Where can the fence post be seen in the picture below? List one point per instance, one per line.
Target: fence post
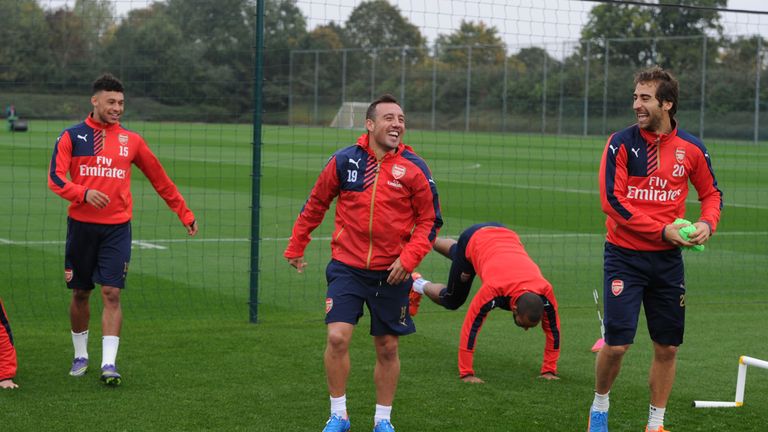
(560, 102)
(374, 56)
(469, 87)
(504, 96)
(290, 88)
(402, 76)
(434, 84)
(544, 95)
(586, 86)
(258, 96)
(605, 85)
(315, 117)
(343, 76)
(758, 67)
(703, 85)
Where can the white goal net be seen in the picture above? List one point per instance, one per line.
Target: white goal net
(351, 115)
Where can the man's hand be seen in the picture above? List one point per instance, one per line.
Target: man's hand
(549, 376)
(298, 263)
(191, 228)
(8, 384)
(96, 198)
(672, 235)
(472, 379)
(701, 235)
(397, 273)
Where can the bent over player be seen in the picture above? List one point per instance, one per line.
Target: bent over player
(97, 154)
(643, 178)
(387, 217)
(8, 361)
(510, 281)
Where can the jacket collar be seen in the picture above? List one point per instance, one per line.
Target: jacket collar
(90, 121)
(363, 142)
(654, 138)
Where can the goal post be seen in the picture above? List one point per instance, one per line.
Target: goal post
(351, 115)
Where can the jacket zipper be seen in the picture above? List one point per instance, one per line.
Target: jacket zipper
(370, 217)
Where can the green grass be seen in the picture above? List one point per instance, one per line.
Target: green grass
(191, 361)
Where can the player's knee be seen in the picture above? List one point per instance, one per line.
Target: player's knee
(337, 341)
(450, 305)
(387, 353)
(80, 296)
(111, 297)
(664, 352)
(616, 351)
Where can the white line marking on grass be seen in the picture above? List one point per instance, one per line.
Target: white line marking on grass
(152, 244)
(198, 240)
(146, 245)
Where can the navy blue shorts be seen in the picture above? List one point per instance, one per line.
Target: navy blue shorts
(96, 254)
(349, 288)
(456, 291)
(655, 279)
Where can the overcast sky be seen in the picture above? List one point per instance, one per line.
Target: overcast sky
(520, 23)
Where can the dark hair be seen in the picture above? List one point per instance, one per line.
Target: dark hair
(530, 306)
(667, 87)
(107, 82)
(385, 98)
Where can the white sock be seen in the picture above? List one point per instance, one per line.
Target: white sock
(109, 345)
(382, 413)
(339, 406)
(80, 342)
(418, 285)
(655, 417)
(601, 402)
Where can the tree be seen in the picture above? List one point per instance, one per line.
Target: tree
(327, 37)
(71, 51)
(155, 58)
(98, 18)
(285, 29)
(222, 31)
(631, 29)
(377, 25)
(731, 83)
(528, 70)
(488, 47)
(487, 53)
(24, 50)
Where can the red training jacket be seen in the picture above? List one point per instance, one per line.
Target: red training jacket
(506, 270)
(644, 184)
(7, 351)
(385, 209)
(99, 156)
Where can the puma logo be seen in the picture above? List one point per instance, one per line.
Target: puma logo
(613, 149)
(636, 152)
(356, 162)
(83, 137)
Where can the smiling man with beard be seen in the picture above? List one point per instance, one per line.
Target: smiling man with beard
(387, 218)
(91, 168)
(643, 179)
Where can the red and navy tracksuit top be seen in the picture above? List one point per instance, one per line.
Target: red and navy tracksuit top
(99, 156)
(498, 257)
(386, 208)
(644, 183)
(8, 363)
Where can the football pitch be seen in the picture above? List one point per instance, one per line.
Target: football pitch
(191, 361)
